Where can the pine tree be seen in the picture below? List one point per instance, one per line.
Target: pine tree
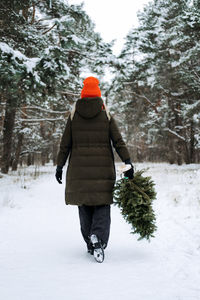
(43, 54)
(157, 85)
(134, 198)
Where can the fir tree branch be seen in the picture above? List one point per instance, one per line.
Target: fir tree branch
(49, 29)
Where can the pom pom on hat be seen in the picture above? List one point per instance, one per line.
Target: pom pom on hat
(91, 88)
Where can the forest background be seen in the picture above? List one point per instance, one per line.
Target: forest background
(46, 47)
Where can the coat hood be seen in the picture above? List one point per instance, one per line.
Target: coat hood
(89, 107)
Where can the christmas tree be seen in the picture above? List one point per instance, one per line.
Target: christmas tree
(134, 198)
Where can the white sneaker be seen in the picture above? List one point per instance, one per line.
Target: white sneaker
(93, 239)
(98, 249)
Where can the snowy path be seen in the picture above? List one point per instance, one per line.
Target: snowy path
(43, 256)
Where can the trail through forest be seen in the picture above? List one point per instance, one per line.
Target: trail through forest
(43, 256)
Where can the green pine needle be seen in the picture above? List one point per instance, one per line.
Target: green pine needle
(134, 198)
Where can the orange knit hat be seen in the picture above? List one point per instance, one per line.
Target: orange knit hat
(91, 88)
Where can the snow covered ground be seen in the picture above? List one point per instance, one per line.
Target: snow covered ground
(43, 256)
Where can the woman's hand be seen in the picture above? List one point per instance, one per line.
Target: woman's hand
(130, 172)
(59, 174)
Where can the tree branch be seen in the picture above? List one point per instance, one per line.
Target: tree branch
(46, 110)
(39, 120)
(82, 54)
(128, 82)
(147, 100)
(175, 134)
(196, 75)
(44, 19)
(67, 92)
(49, 29)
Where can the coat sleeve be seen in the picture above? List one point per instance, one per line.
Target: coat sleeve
(118, 141)
(65, 145)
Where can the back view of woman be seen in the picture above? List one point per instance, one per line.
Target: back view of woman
(88, 138)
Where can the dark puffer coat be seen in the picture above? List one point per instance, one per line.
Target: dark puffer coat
(87, 140)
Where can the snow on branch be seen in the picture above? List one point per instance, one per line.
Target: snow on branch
(175, 134)
(147, 100)
(29, 63)
(128, 82)
(197, 76)
(46, 110)
(39, 120)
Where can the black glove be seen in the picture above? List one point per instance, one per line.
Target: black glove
(130, 172)
(59, 174)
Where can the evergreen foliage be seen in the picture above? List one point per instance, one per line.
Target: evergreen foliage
(46, 45)
(157, 86)
(134, 198)
(44, 48)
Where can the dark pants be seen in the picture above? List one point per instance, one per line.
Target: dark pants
(95, 220)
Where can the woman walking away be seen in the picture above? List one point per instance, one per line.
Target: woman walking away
(88, 138)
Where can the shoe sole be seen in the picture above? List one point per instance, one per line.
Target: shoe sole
(98, 249)
(99, 255)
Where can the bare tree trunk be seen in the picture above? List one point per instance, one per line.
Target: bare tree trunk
(20, 137)
(47, 157)
(198, 156)
(54, 145)
(33, 158)
(179, 149)
(17, 153)
(8, 127)
(29, 160)
(171, 152)
(192, 150)
(43, 158)
(187, 154)
(55, 150)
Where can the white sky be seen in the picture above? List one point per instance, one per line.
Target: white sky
(113, 18)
